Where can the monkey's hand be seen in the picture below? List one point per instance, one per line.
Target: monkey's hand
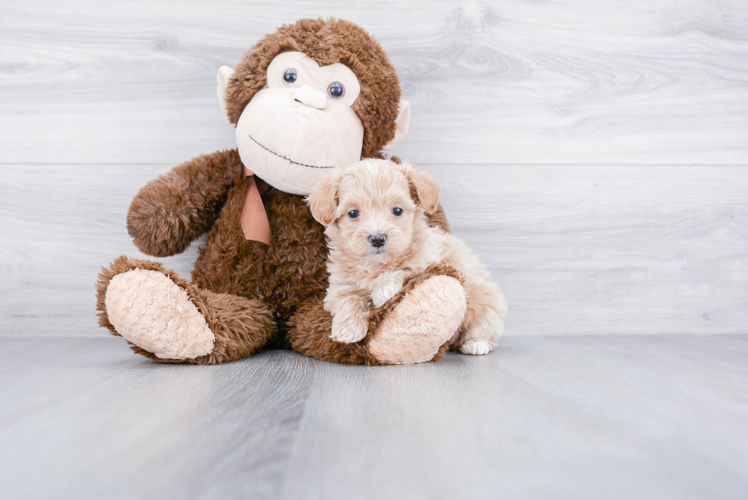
(386, 286)
(174, 209)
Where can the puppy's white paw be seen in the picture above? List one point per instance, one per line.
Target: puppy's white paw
(387, 289)
(349, 329)
(476, 347)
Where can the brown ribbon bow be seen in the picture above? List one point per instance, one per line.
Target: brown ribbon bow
(254, 219)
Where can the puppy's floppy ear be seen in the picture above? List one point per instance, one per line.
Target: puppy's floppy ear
(323, 202)
(424, 189)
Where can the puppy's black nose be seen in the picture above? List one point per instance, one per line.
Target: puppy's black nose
(377, 240)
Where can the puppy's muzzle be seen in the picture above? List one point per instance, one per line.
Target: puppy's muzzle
(377, 240)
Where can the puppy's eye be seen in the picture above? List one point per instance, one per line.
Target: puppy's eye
(290, 76)
(353, 214)
(397, 211)
(336, 90)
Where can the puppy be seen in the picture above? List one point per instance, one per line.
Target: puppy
(374, 213)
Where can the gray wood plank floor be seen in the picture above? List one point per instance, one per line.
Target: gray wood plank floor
(598, 417)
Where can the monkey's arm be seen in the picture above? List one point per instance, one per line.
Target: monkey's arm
(172, 210)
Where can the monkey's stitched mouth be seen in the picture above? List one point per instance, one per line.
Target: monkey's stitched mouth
(287, 159)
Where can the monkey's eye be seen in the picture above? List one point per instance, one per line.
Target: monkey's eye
(290, 76)
(353, 214)
(336, 90)
(397, 211)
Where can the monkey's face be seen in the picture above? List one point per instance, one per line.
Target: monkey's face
(315, 95)
(298, 128)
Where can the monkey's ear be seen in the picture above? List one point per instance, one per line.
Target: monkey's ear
(426, 188)
(323, 202)
(224, 74)
(402, 122)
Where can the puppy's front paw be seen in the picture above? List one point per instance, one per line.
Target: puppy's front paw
(476, 347)
(386, 290)
(349, 329)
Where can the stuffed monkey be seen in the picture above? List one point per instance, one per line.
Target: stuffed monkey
(313, 96)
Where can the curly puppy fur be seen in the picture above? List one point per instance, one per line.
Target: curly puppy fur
(375, 217)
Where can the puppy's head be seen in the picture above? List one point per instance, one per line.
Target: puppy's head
(372, 208)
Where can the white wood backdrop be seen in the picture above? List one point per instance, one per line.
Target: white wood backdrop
(593, 152)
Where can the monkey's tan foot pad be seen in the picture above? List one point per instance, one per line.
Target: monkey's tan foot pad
(155, 314)
(423, 321)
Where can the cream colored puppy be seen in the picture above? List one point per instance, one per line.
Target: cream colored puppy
(374, 213)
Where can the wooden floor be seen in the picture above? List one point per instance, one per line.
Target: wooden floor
(598, 417)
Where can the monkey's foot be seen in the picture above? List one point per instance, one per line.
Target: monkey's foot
(423, 321)
(154, 313)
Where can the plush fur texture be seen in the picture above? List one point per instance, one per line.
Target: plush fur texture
(173, 210)
(375, 213)
(252, 295)
(249, 292)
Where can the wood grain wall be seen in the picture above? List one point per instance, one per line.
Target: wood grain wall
(594, 153)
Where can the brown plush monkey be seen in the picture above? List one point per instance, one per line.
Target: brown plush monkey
(313, 96)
